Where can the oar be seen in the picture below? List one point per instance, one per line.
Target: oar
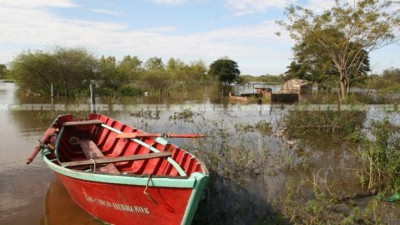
(166, 135)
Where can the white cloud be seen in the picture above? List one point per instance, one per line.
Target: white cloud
(243, 7)
(168, 2)
(37, 28)
(38, 3)
(118, 40)
(105, 11)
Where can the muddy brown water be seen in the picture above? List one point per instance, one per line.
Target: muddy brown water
(243, 187)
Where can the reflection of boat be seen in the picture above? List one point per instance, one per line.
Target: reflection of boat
(60, 209)
(123, 175)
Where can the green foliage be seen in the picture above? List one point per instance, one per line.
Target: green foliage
(263, 78)
(344, 123)
(388, 82)
(154, 63)
(3, 71)
(345, 33)
(130, 91)
(130, 68)
(262, 126)
(156, 80)
(69, 70)
(35, 72)
(296, 70)
(225, 70)
(382, 157)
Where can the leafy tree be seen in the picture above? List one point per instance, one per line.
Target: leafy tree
(34, 72)
(77, 68)
(130, 68)
(154, 63)
(110, 76)
(196, 71)
(225, 70)
(3, 71)
(175, 65)
(388, 81)
(156, 80)
(69, 70)
(176, 69)
(347, 33)
(315, 65)
(296, 70)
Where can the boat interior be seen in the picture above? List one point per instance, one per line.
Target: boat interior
(94, 145)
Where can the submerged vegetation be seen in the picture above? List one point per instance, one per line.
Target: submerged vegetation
(305, 167)
(381, 154)
(336, 122)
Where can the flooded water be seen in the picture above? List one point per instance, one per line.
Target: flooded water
(246, 182)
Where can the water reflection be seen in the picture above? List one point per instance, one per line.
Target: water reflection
(60, 209)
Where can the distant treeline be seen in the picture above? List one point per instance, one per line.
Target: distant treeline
(71, 70)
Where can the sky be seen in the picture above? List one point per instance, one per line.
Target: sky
(189, 30)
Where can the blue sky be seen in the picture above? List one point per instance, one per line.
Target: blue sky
(189, 30)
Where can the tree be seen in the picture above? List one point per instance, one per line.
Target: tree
(34, 72)
(176, 69)
(3, 71)
(296, 70)
(156, 80)
(196, 71)
(77, 68)
(130, 68)
(154, 63)
(315, 65)
(69, 70)
(225, 70)
(347, 33)
(108, 73)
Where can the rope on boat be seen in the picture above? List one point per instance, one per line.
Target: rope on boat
(146, 193)
(94, 165)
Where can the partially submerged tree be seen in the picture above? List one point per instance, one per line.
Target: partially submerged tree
(76, 67)
(34, 72)
(347, 33)
(3, 71)
(225, 70)
(316, 65)
(69, 70)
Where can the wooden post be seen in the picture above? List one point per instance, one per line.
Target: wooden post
(52, 96)
(92, 99)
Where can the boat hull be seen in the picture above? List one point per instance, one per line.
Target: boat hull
(127, 204)
(167, 196)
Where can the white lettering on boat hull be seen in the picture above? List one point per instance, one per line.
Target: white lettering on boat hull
(118, 206)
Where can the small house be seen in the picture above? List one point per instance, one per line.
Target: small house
(298, 86)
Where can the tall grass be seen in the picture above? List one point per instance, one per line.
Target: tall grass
(343, 123)
(382, 157)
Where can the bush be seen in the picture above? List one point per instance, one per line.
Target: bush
(382, 157)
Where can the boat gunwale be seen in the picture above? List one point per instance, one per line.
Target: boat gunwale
(126, 179)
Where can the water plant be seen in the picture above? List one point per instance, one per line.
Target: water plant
(343, 123)
(382, 157)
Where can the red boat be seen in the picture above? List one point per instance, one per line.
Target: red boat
(122, 175)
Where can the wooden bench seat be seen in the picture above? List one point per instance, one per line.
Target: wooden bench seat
(118, 159)
(83, 122)
(92, 152)
(105, 164)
